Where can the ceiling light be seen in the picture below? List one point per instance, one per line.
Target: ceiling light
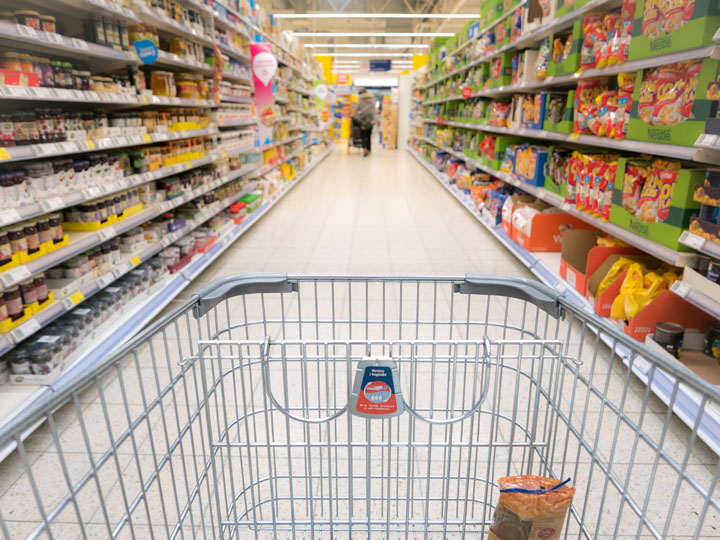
(366, 55)
(372, 34)
(367, 45)
(375, 16)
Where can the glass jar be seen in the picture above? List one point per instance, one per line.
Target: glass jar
(28, 291)
(31, 237)
(44, 232)
(41, 359)
(3, 308)
(59, 75)
(47, 23)
(13, 303)
(41, 289)
(11, 61)
(47, 75)
(162, 83)
(46, 125)
(5, 249)
(187, 86)
(6, 129)
(82, 80)
(55, 221)
(25, 128)
(19, 360)
(18, 243)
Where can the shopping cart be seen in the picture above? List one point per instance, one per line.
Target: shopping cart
(355, 139)
(236, 416)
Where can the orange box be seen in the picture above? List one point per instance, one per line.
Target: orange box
(667, 306)
(580, 256)
(512, 202)
(547, 230)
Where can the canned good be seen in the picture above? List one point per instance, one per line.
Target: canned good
(669, 335)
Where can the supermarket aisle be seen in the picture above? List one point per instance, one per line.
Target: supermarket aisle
(378, 215)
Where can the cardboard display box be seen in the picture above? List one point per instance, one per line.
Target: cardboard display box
(508, 207)
(565, 125)
(603, 302)
(680, 208)
(580, 256)
(656, 33)
(546, 230)
(572, 63)
(690, 125)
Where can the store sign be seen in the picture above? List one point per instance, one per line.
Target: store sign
(342, 78)
(264, 66)
(147, 51)
(323, 97)
(466, 92)
(380, 65)
(321, 91)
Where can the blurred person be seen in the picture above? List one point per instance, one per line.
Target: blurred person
(365, 116)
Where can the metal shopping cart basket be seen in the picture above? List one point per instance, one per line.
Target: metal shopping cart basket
(236, 416)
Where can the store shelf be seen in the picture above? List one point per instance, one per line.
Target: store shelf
(52, 204)
(281, 99)
(236, 99)
(697, 298)
(686, 402)
(234, 52)
(688, 153)
(166, 59)
(300, 91)
(279, 79)
(698, 243)
(532, 37)
(103, 7)
(493, 24)
(158, 19)
(117, 331)
(652, 248)
(276, 143)
(230, 76)
(22, 153)
(62, 45)
(237, 122)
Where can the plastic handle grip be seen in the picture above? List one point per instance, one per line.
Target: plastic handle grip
(515, 287)
(227, 287)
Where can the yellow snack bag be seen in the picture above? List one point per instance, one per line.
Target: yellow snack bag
(609, 241)
(617, 310)
(634, 302)
(632, 284)
(616, 269)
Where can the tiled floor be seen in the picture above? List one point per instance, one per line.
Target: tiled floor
(382, 215)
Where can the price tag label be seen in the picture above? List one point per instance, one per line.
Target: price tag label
(42, 93)
(15, 275)
(706, 140)
(90, 144)
(680, 289)
(135, 260)
(175, 101)
(122, 141)
(91, 95)
(16, 91)
(80, 44)
(26, 31)
(9, 216)
(146, 137)
(48, 149)
(69, 147)
(55, 203)
(93, 192)
(693, 240)
(52, 37)
(165, 241)
(25, 330)
(105, 280)
(106, 233)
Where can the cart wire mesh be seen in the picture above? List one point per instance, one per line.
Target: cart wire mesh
(230, 418)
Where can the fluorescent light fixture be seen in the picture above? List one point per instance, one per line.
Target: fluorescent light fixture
(376, 16)
(366, 55)
(366, 45)
(372, 34)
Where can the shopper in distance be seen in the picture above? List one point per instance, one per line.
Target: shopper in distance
(365, 116)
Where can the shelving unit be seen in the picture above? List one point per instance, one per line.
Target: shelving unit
(452, 63)
(100, 59)
(686, 404)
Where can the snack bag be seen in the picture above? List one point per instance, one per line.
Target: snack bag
(622, 114)
(587, 91)
(593, 35)
(607, 191)
(669, 89)
(632, 186)
(575, 166)
(616, 269)
(656, 194)
(607, 108)
(599, 184)
(648, 89)
(542, 59)
(632, 283)
(673, 18)
(651, 20)
(602, 45)
(687, 100)
(530, 507)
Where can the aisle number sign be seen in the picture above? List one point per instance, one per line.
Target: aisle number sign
(264, 66)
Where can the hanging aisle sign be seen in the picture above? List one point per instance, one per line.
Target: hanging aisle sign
(264, 66)
(322, 103)
(147, 51)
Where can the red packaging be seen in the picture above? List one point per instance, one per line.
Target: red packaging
(632, 186)
(609, 186)
(670, 86)
(687, 100)
(587, 91)
(651, 18)
(575, 165)
(648, 89)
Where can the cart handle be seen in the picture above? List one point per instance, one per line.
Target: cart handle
(227, 287)
(516, 287)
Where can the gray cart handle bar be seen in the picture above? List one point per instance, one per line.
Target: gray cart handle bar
(535, 292)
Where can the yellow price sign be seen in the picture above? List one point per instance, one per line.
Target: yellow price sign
(4, 154)
(147, 138)
(90, 144)
(574, 136)
(135, 260)
(77, 297)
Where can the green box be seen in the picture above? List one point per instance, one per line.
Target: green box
(571, 64)
(566, 125)
(564, 10)
(550, 184)
(681, 207)
(683, 133)
(505, 74)
(501, 143)
(695, 31)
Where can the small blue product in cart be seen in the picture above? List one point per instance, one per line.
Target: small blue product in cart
(530, 507)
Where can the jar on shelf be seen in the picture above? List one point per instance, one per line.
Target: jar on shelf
(6, 129)
(162, 84)
(13, 303)
(5, 249)
(3, 308)
(18, 243)
(28, 18)
(19, 359)
(28, 291)
(31, 237)
(55, 221)
(94, 29)
(11, 61)
(47, 74)
(26, 63)
(41, 288)
(47, 23)
(187, 86)
(25, 128)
